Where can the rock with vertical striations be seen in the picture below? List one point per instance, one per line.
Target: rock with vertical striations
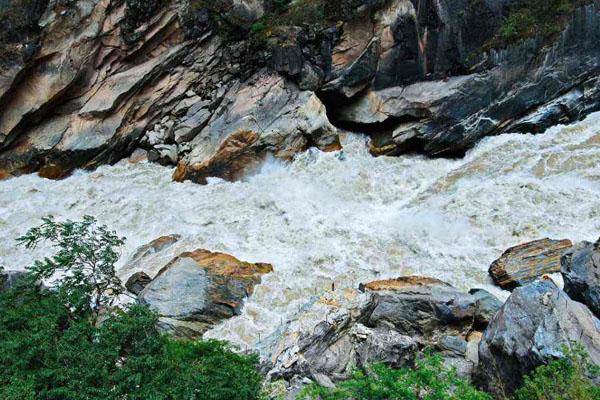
(580, 268)
(530, 329)
(526, 262)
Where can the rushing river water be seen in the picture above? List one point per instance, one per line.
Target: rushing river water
(338, 217)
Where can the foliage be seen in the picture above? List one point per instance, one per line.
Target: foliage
(544, 18)
(568, 378)
(428, 380)
(48, 352)
(84, 261)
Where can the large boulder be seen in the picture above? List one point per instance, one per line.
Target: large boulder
(385, 321)
(528, 331)
(265, 115)
(580, 268)
(526, 262)
(198, 289)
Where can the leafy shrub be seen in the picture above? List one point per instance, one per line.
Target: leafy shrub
(47, 352)
(85, 261)
(569, 378)
(428, 380)
(52, 348)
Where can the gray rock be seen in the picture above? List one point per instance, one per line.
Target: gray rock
(529, 330)
(423, 311)
(137, 282)
(486, 306)
(580, 268)
(200, 288)
(387, 322)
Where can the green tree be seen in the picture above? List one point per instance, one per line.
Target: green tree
(52, 348)
(83, 268)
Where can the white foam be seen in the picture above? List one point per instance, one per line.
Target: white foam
(333, 217)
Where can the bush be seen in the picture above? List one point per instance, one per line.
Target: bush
(569, 378)
(52, 348)
(428, 380)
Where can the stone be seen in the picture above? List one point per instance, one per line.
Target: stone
(200, 288)
(486, 306)
(267, 114)
(528, 331)
(385, 321)
(137, 282)
(168, 154)
(527, 262)
(580, 267)
(145, 254)
(422, 308)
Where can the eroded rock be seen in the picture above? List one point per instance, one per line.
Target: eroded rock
(386, 321)
(200, 288)
(526, 262)
(580, 267)
(529, 330)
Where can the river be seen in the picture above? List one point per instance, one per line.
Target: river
(338, 218)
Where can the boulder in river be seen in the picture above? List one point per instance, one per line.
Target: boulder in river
(580, 268)
(530, 329)
(200, 288)
(386, 321)
(526, 262)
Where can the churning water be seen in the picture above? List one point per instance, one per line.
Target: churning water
(338, 218)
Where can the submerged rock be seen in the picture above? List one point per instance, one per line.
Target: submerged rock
(580, 268)
(200, 288)
(529, 330)
(526, 262)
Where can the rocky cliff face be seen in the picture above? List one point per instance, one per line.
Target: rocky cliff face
(213, 89)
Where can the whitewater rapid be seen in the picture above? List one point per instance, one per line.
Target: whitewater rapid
(340, 218)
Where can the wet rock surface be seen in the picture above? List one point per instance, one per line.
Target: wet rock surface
(580, 268)
(526, 262)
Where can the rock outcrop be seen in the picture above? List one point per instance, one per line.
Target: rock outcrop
(200, 288)
(528, 331)
(526, 262)
(387, 321)
(91, 81)
(580, 268)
